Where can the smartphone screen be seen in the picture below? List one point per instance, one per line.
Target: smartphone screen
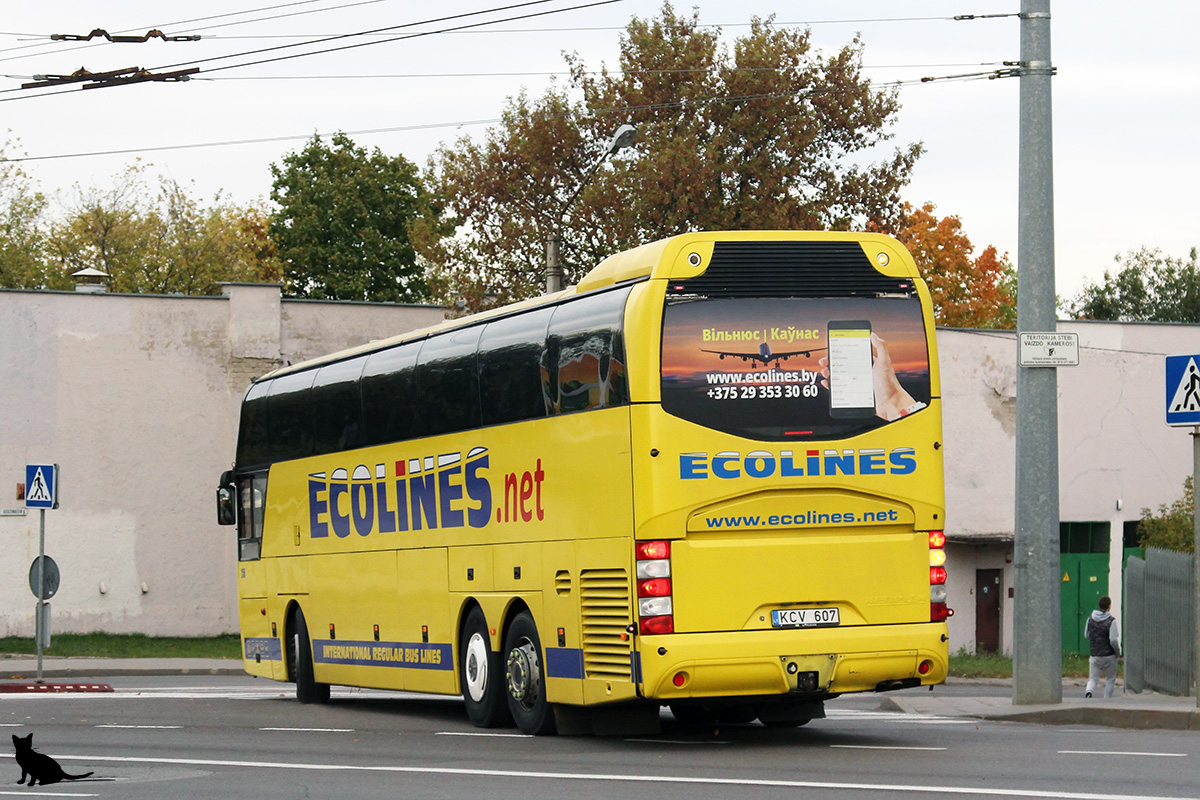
(851, 391)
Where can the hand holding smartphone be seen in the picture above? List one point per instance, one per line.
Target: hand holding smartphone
(851, 388)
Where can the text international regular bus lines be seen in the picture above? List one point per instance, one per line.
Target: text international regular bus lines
(708, 477)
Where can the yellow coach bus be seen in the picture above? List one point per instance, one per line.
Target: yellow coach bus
(708, 477)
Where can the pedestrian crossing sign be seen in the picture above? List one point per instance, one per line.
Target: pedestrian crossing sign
(1183, 390)
(41, 485)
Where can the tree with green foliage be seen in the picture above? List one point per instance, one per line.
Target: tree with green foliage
(342, 227)
(162, 242)
(1149, 286)
(22, 231)
(770, 133)
(1172, 527)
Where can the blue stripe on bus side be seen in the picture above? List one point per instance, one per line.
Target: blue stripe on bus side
(564, 662)
(264, 648)
(406, 655)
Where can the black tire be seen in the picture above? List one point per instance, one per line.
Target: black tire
(300, 664)
(525, 678)
(481, 673)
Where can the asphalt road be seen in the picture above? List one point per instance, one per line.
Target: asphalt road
(235, 737)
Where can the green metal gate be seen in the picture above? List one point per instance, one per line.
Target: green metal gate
(1085, 581)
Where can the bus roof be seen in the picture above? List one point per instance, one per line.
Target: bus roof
(655, 260)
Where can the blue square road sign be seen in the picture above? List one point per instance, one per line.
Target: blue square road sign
(1183, 390)
(41, 485)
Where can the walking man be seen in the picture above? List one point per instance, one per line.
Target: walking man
(1105, 646)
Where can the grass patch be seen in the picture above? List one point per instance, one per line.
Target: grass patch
(131, 645)
(991, 665)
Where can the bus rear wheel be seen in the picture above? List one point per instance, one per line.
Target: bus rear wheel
(300, 664)
(525, 678)
(481, 674)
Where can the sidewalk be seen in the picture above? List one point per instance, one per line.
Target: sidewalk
(1145, 710)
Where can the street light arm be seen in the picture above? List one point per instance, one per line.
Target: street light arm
(622, 138)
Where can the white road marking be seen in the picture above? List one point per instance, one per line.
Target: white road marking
(140, 727)
(680, 741)
(312, 730)
(882, 747)
(36, 793)
(626, 778)
(1120, 753)
(494, 735)
(899, 716)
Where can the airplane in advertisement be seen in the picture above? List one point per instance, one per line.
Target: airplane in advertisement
(764, 354)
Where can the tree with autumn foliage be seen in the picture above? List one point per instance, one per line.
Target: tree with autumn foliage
(967, 292)
(164, 242)
(770, 133)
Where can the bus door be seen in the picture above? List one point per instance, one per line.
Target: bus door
(261, 646)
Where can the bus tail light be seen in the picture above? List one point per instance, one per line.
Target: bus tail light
(655, 609)
(938, 610)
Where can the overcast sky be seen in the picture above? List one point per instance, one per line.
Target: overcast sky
(1126, 97)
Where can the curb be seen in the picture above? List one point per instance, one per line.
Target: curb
(47, 688)
(1132, 718)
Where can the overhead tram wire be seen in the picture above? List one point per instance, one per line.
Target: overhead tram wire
(205, 19)
(798, 24)
(495, 9)
(466, 123)
(443, 75)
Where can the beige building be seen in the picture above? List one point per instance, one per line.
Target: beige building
(136, 398)
(1116, 456)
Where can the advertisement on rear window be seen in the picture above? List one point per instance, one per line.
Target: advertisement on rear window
(794, 368)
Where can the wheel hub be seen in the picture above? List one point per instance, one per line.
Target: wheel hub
(522, 673)
(476, 667)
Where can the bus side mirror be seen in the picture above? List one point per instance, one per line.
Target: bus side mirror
(226, 494)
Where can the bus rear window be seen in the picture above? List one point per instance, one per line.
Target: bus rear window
(782, 369)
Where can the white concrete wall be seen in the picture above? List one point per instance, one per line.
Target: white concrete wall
(136, 398)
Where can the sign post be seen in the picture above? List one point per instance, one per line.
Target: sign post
(41, 492)
(1183, 410)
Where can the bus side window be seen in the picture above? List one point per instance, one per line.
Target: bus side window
(291, 419)
(337, 407)
(254, 445)
(588, 369)
(252, 497)
(448, 382)
(510, 369)
(389, 395)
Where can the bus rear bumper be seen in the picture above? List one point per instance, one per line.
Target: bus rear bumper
(825, 661)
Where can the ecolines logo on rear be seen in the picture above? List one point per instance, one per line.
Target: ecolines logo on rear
(443, 491)
(785, 464)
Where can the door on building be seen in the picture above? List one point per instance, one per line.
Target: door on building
(1084, 564)
(987, 610)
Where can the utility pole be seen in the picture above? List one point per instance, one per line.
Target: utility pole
(1037, 631)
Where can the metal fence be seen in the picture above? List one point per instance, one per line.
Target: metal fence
(1158, 633)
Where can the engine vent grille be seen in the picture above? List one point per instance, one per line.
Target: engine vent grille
(604, 602)
(790, 269)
